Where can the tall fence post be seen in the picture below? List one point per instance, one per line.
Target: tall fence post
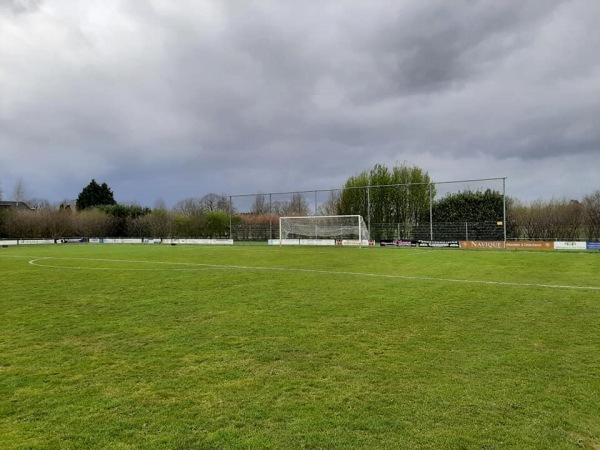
(270, 216)
(430, 212)
(369, 208)
(230, 218)
(504, 208)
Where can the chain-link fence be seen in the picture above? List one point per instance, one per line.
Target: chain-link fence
(400, 211)
(482, 231)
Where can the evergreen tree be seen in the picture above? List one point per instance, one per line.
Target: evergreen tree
(469, 206)
(95, 194)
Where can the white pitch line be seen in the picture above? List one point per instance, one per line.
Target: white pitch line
(34, 262)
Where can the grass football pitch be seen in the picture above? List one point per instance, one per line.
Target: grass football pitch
(253, 347)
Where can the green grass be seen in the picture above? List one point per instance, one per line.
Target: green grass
(143, 347)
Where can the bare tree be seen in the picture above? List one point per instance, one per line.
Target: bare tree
(160, 204)
(90, 223)
(279, 208)
(573, 217)
(159, 223)
(591, 206)
(214, 202)
(189, 206)
(554, 219)
(297, 206)
(19, 192)
(260, 205)
(332, 205)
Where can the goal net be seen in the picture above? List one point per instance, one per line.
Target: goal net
(323, 230)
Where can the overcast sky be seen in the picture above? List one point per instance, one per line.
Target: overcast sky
(165, 100)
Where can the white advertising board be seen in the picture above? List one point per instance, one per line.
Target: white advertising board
(198, 241)
(354, 242)
(120, 241)
(563, 245)
(35, 241)
(325, 242)
(314, 242)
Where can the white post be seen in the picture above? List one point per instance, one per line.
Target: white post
(359, 231)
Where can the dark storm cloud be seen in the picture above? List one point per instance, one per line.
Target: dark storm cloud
(165, 99)
(442, 45)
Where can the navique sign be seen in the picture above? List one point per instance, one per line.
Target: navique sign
(538, 245)
(482, 244)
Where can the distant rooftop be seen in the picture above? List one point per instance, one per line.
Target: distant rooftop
(17, 205)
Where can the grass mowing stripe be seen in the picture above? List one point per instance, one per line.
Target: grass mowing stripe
(201, 266)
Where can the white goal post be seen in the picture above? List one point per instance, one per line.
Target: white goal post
(323, 230)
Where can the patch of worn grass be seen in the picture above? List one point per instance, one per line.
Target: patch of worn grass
(172, 347)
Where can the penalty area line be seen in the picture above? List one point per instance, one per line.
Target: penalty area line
(200, 266)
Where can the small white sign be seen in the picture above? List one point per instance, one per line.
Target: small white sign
(562, 245)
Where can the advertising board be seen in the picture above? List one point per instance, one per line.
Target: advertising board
(482, 244)
(397, 243)
(592, 245)
(530, 245)
(452, 244)
(193, 241)
(284, 241)
(561, 245)
(314, 242)
(325, 242)
(64, 241)
(354, 242)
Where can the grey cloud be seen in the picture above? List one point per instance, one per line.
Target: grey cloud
(20, 6)
(297, 93)
(430, 47)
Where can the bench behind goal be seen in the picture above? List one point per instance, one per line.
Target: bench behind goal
(323, 230)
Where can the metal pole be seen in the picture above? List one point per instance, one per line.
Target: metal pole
(271, 218)
(315, 203)
(466, 231)
(230, 218)
(369, 207)
(430, 213)
(504, 208)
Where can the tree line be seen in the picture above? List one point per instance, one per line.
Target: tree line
(397, 202)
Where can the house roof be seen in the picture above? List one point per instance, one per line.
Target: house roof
(20, 205)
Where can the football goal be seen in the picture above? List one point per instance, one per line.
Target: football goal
(323, 230)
